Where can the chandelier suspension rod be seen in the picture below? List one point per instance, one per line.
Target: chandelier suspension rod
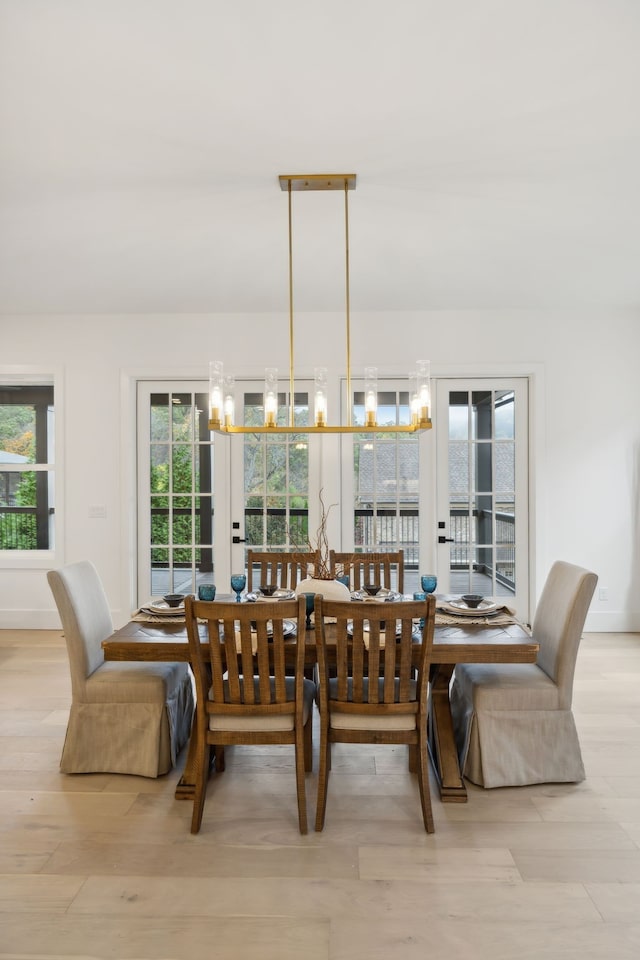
(347, 297)
(291, 377)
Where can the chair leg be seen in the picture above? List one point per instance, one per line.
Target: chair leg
(219, 758)
(423, 782)
(300, 780)
(413, 758)
(323, 775)
(308, 743)
(202, 778)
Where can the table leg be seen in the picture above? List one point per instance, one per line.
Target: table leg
(442, 743)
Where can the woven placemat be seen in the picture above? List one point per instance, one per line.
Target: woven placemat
(142, 617)
(503, 617)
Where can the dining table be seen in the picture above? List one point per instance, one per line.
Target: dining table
(499, 638)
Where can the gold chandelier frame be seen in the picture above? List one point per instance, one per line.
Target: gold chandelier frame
(221, 398)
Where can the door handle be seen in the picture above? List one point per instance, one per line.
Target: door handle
(237, 540)
(446, 540)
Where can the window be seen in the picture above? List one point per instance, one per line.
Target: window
(27, 482)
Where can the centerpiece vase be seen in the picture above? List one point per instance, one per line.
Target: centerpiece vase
(330, 589)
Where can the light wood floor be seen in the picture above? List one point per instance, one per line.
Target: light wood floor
(105, 866)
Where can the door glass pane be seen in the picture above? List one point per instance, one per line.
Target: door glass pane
(481, 476)
(386, 483)
(180, 493)
(505, 415)
(276, 477)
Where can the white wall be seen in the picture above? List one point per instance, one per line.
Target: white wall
(586, 430)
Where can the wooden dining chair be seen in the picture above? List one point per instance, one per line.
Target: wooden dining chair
(364, 568)
(368, 689)
(513, 721)
(243, 695)
(284, 569)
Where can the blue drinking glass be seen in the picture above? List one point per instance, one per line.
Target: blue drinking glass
(423, 597)
(238, 583)
(310, 599)
(428, 582)
(207, 591)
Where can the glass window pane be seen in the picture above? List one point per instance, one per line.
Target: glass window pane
(182, 469)
(277, 530)
(182, 527)
(482, 570)
(459, 480)
(254, 530)
(505, 415)
(482, 466)
(26, 495)
(276, 459)
(458, 415)
(159, 468)
(159, 417)
(505, 480)
(181, 416)
(298, 468)
(481, 402)
(482, 522)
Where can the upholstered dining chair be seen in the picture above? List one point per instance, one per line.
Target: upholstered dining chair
(513, 721)
(281, 569)
(243, 693)
(125, 717)
(364, 568)
(369, 691)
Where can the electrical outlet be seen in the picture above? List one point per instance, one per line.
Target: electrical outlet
(603, 593)
(98, 512)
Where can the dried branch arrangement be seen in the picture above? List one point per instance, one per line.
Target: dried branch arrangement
(322, 567)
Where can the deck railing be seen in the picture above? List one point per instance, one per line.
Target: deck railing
(392, 530)
(18, 528)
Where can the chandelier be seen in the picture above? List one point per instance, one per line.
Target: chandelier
(222, 387)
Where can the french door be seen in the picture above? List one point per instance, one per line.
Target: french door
(205, 498)
(274, 477)
(381, 488)
(482, 489)
(176, 462)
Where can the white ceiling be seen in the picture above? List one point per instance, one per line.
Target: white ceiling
(496, 144)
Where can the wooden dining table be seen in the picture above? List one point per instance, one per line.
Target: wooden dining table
(462, 641)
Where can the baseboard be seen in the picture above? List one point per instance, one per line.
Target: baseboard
(618, 621)
(42, 619)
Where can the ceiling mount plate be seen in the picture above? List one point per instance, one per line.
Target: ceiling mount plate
(317, 181)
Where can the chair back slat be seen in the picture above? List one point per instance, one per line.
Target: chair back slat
(377, 648)
(364, 568)
(246, 651)
(284, 569)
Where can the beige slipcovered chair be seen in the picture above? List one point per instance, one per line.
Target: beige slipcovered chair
(513, 721)
(125, 717)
